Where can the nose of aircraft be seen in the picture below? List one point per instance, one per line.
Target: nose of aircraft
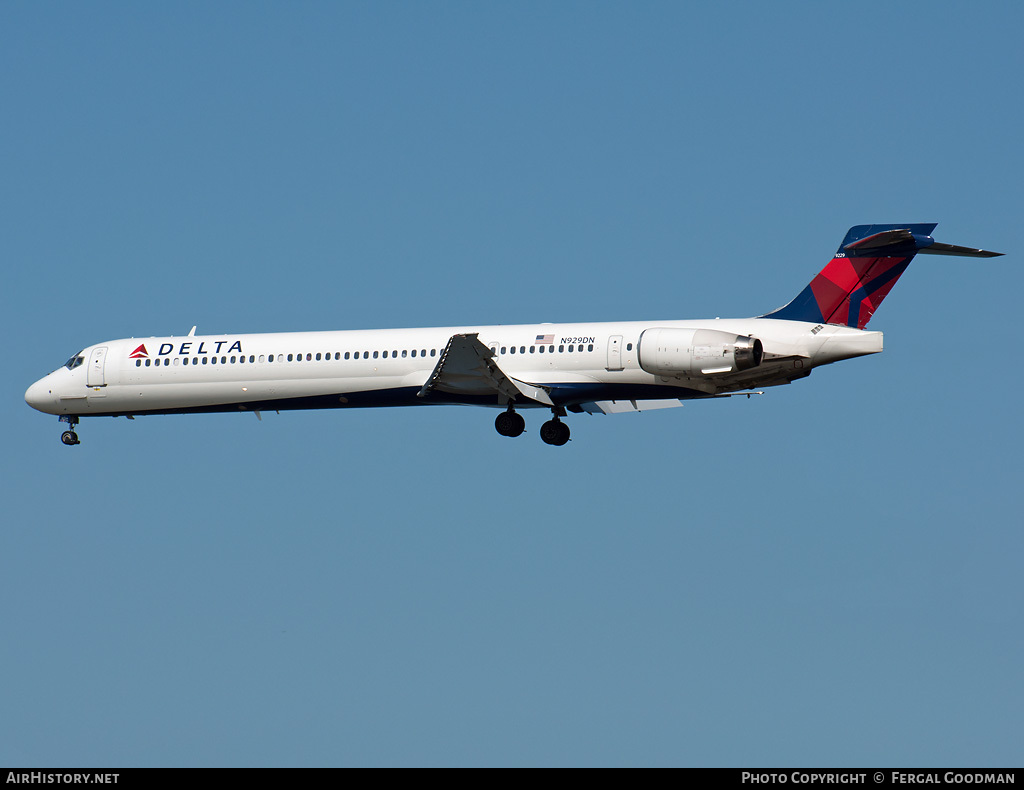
(39, 396)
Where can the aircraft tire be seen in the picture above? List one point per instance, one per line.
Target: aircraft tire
(554, 432)
(69, 438)
(508, 423)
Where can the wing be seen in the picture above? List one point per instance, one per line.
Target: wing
(620, 406)
(467, 367)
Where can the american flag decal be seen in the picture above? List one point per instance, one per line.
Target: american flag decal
(543, 340)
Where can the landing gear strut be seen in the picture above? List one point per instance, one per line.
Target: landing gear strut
(554, 432)
(509, 423)
(70, 438)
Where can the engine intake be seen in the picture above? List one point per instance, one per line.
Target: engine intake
(697, 352)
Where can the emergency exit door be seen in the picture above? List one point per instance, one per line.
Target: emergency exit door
(615, 352)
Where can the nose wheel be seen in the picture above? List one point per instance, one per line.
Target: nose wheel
(69, 437)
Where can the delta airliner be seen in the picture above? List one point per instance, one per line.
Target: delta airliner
(593, 367)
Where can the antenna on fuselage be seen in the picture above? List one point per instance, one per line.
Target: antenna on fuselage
(192, 332)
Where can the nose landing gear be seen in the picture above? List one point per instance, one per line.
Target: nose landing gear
(69, 437)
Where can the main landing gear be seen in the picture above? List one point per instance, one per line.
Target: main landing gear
(69, 437)
(509, 423)
(554, 431)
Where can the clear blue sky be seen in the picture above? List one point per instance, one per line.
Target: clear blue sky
(828, 574)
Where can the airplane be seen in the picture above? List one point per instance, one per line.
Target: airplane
(598, 368)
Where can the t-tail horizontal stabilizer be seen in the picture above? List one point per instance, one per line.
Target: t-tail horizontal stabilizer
(864, 269)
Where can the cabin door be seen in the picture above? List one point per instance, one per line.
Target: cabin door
(97, 360)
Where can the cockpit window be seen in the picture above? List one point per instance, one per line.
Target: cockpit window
(75, 361)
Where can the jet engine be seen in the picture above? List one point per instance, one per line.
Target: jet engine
(697, 352)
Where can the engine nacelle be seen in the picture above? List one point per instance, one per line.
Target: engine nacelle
(697, 352)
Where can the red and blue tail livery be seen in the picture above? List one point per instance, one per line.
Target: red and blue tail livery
(598, 368)
(848, 291)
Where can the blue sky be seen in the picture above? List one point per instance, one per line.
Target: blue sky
(828, 574)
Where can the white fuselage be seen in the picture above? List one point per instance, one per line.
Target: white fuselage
(576, 364)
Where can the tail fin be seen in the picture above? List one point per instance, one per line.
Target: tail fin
(863, 271)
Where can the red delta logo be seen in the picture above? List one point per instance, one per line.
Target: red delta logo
(139, 353)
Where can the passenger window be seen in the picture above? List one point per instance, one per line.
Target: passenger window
(512, 350)
(374, 354)
(540, 349)
(176, 362)
(138, 363)
(561, 349)
(233, 360)
(403, 353)
(571, 349)
(346, 355)
(204, 360)
(252, 358)
(629, 346)
(533, 349)
(590, 347)
(290, 356)
(318, 357)
(432, 351)
(551, 349)
(423, 352)
(261, 358)
(503, 349)
(366, 355)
